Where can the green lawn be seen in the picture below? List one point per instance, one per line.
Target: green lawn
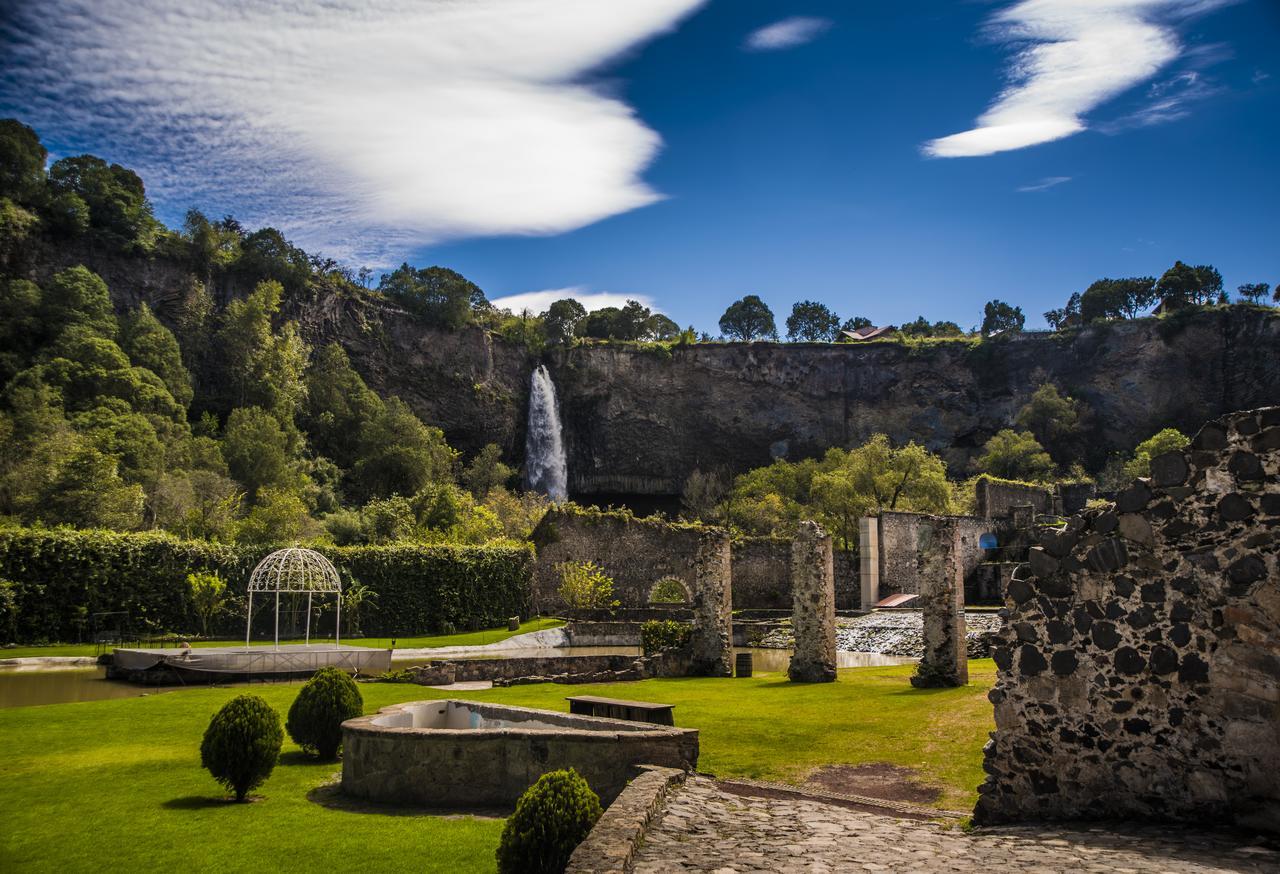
(116, 785)
(469, 638)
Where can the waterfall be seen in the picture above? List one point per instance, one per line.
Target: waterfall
(546, 469)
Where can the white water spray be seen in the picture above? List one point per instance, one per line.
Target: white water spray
(546, 469)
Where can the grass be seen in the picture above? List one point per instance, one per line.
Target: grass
(116, 785)
(469, 638)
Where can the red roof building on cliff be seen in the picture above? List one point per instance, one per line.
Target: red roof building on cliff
(870, 332)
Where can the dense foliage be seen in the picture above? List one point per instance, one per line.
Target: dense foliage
(62, 577)
(324, 702)
(664, 635)
(585, 586)
(552, 817)
(242, 744)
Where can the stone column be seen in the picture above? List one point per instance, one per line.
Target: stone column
(941, 600)
(813, 612)
(711, 647)
(869, 560)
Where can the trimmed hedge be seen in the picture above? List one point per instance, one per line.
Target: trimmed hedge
(62, 576)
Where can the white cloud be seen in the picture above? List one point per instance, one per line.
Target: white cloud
(786, 34)
(359, 127)
(1046, 183)
(1073, 56)
(538, 301)
(1169, 100)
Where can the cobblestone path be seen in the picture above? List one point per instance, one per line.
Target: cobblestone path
(705, 829)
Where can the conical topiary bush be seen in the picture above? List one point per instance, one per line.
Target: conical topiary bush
(242, 743)
(327, 700)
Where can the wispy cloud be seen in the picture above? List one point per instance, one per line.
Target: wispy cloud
(1169, 100)
(786, 34)
(360, 126)
(1045, 184)
(1073, 55)
(538, 301)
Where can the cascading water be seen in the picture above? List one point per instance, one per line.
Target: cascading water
(546, 469)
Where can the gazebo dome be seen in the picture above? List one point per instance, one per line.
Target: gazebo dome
(295, 570)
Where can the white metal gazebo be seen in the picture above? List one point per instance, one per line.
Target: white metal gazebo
(295, 571)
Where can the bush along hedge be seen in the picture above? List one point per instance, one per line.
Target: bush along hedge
(60, 577)
(326, 701)
(552, 817)
(666, 635)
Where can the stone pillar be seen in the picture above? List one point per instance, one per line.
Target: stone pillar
(711, 647)
(813, 612)
(941, 600)
(869, 560)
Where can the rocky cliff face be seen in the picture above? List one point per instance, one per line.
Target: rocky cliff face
(639, 421)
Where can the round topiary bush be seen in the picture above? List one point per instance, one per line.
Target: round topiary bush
(552, 817)
(327, 700)
(242, 743)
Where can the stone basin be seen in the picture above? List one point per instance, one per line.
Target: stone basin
(456, 754)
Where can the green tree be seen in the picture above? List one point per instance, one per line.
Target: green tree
(151, 345)
(208, 597)
(874, 478)
(1015, 455)
(67, 214)
(266, 254)
(241, 744)
(77, 296)
(630, 322)
(812, 322)
(400, 455)
(486, 472)
(855, 323)
(256, 449)
(748, 319)
(1254, 292)
(22, 160)
(117, 200)
(1166, 440)
(660, 328)
(325, 701)
(264, 367)
(1183, 285)
(1054, 419)
(998, 316)
(561, 319)
(585, 586)
(21, 326)
(1068, 316)
(278, 516)
(1117, 298)
(86, 491)
(338, 404)
(437, 295)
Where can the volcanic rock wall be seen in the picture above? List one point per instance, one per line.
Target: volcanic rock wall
(1139, 672)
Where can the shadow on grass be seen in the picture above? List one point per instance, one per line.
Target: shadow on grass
(297, 758)
(330, 795)
(203, 802)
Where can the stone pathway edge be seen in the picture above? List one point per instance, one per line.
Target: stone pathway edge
(611, 846)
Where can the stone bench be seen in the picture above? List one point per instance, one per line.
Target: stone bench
(616, 708)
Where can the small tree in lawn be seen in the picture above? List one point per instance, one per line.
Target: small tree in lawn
(242, 743)
(327, 700)
(208, 597)
(552, 817)
(585, 586)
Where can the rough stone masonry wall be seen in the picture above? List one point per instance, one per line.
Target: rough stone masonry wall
(905, 542)
(1139, 673)
(813, 616)
(762, 575)
(943, 545)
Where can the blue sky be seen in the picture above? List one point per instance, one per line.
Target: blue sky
(673, 151)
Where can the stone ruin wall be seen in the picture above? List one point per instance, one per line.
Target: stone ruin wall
(995, 499)
(637, 553)
(907, 545)
(1139, 672)
(813, 616)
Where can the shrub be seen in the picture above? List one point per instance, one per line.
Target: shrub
(552, 817)
(242, 743)
(664, 635)
(208, 597)
(327, 700)
(585, 586)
